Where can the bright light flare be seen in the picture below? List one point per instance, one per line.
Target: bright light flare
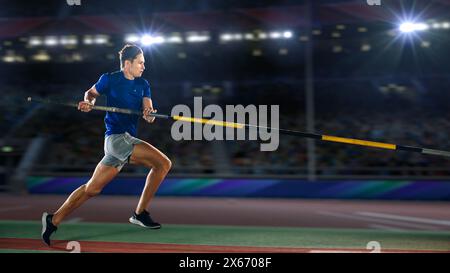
(408, 27)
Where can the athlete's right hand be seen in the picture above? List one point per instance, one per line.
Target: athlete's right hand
(85, 106)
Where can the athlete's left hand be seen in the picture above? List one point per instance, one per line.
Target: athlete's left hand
(146, 114)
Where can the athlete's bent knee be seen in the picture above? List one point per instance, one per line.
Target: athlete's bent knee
(92, 191)
(162, 165)
(166, 165)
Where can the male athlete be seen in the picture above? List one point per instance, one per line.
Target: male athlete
(124, 89)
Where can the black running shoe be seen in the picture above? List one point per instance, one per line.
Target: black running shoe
(47, 227)
(144, 220)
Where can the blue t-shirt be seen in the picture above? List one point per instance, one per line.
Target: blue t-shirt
(122, 93)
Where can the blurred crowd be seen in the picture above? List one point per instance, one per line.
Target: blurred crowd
(353, 110)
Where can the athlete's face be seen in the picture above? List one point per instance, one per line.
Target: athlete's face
(137, 66)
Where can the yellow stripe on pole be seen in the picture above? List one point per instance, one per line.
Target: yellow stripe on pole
(210, 121)
(360, 142)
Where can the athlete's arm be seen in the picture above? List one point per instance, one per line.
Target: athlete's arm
(147, 106)
(89, 99)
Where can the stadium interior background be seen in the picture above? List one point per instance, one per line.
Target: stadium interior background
(350, 65)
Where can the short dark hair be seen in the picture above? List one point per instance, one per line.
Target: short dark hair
(129, 52)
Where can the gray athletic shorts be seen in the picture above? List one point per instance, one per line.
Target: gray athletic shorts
(118, 149)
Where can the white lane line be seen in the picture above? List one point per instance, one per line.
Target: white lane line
(338, 251)
(14, 208)
(368, 219)
(405, 218)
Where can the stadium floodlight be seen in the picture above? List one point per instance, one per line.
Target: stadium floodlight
(231, 37)
(275, 35)
(51, 41)
(287, 34)
(7, 149)
(41, 56)
(365, 47)
(158, 39)
(249, 36)
(9, 59)
(421, 26)
(131, 38)
(262, 35)
(226, 37)
(436, 25)
(194, 38)
(237, 36)
(425, 44)
(408, 27)
(175, 40)
(101, 39)
(88, 40)
(68, 40)
(35, 41)
(148, 40)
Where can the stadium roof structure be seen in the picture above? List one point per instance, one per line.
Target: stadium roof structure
(113, 17)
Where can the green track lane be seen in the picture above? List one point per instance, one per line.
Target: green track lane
(234, 235)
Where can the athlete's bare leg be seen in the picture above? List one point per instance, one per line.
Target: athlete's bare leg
(147, 155)
(102, 176)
